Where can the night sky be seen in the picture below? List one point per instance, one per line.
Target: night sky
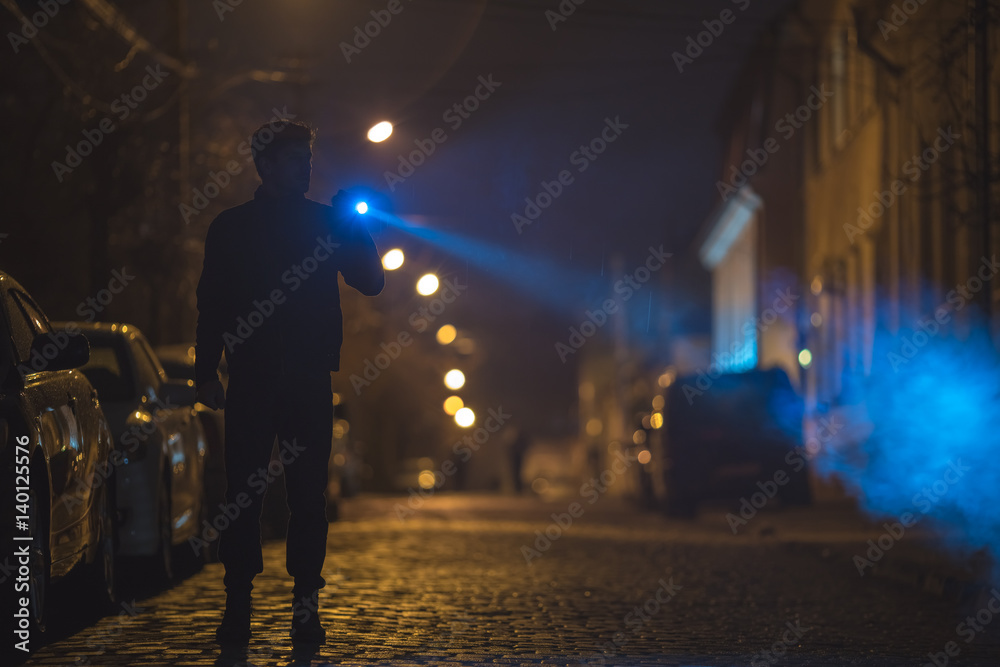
(557, 81)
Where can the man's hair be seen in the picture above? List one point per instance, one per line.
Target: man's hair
(269, 138)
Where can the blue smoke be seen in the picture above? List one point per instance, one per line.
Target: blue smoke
(932, 402)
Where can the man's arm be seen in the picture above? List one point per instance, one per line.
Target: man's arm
(360, 262)
(211, 308)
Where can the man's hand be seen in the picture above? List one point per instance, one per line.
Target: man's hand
(212, 394)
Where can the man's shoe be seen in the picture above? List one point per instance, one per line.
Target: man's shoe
(306, 626)
(235, 626)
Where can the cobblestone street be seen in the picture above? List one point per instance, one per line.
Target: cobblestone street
(451, 585)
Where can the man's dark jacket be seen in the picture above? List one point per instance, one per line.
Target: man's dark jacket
(268, 292)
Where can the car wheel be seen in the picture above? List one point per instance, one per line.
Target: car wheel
(165, 553)
(40, 559)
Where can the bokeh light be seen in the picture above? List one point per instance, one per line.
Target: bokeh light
(453, 404)
(454, 379)
(393, 259)
(446, 334)
(426, 479)
(465, 417)
(380, 131)
(427, 284)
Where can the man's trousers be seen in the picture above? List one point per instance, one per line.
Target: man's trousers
(262, 404)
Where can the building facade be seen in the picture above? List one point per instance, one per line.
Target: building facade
(855, 176)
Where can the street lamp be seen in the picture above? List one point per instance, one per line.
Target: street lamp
(393, 259)
(380, 131)
(427, 284)
(465, 417)
(454, 379)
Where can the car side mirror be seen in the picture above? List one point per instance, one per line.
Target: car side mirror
(178, 392)
(58, 351)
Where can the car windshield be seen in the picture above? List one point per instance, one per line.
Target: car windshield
(108, 369)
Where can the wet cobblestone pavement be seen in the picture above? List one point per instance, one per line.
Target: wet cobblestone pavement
(450, 585)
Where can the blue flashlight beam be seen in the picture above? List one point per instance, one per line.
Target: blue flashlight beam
(541, 279)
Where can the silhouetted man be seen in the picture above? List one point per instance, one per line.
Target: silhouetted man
(269, 296)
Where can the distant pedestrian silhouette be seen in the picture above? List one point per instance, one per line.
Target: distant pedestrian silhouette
(518, 448)
(269, 297)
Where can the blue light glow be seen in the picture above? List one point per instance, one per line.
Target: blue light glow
(361, 207)
(931, 406)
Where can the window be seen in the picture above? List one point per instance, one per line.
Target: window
(21, 331)
(107, 370)
(39, 322)
(147, 371)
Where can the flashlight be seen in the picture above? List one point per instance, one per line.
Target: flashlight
(361, 207)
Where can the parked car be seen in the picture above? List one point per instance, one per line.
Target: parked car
(57, 449)
(178, 362)
(726, 435)
(160, 483)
